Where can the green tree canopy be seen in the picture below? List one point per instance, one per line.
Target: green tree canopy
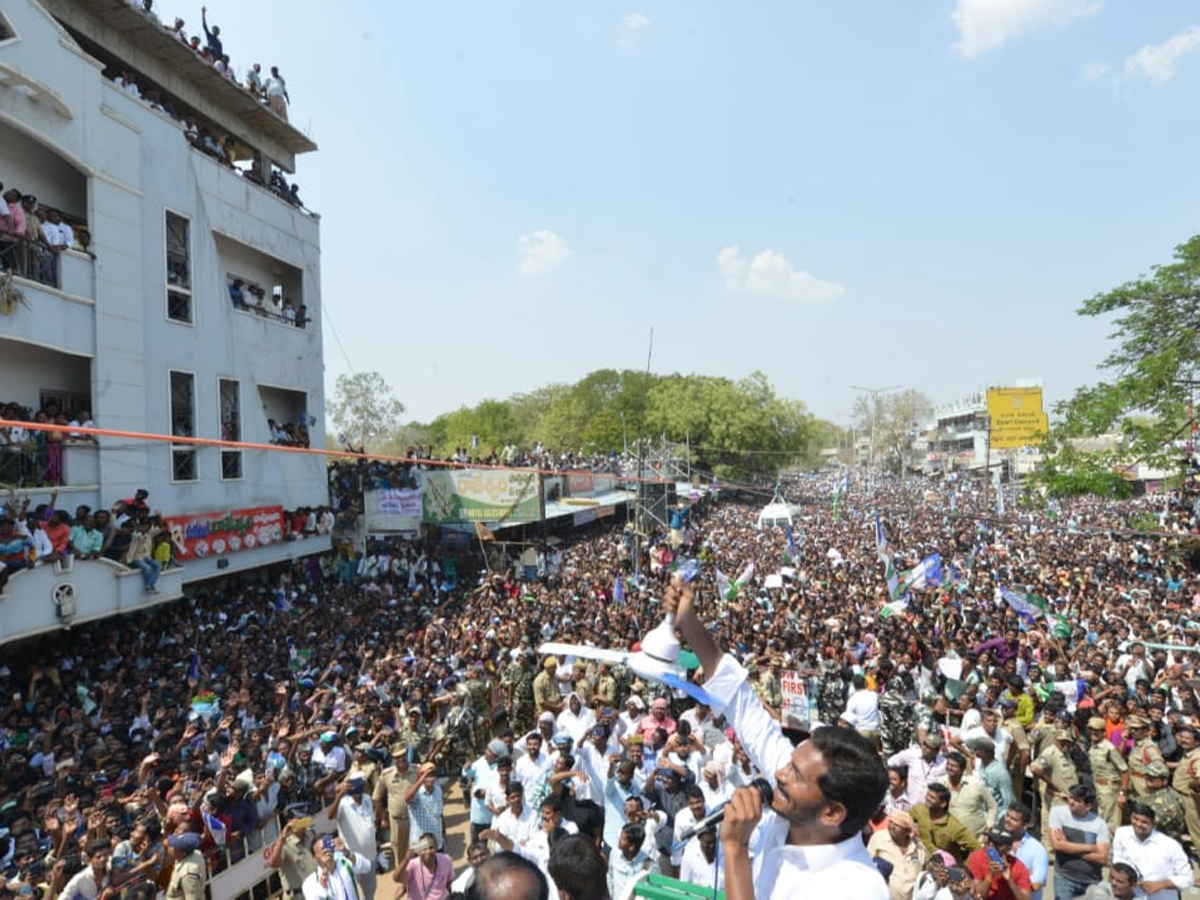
(736, 429)
(1153, 370)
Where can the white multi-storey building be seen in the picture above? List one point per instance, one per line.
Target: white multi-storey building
(144, 332)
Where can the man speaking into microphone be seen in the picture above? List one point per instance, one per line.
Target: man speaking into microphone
(824, 790)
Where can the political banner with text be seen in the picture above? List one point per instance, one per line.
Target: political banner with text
(392, 509)
(480, 495)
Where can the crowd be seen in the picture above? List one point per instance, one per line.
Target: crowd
(249, 297)
(32, 457)
(271, 91)
(376, 691)
(33, 237)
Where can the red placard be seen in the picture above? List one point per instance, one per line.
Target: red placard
(206, 534)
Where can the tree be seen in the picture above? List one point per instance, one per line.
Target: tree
(1154, 366)
(364, 410)
(893, 420)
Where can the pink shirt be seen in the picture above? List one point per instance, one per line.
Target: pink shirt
(426, 885)
(13, 225)
(648, 725)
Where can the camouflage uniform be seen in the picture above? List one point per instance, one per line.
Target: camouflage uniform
(831, 697)
(770, 689)
(897, 718)
(1169, 815)
(457, 731)
(417, 737)
(520, 711)
(478, 699)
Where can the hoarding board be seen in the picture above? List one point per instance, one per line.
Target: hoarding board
(480, 495)
(392, 509)
(204, 534)
(1016, 417)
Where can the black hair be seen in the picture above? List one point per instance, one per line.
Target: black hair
(1021, 810)
(854, 775)
(1138, 808)
(578, 869)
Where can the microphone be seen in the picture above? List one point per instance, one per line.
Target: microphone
(718, 815)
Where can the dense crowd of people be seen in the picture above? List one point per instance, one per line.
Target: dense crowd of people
(360, 696)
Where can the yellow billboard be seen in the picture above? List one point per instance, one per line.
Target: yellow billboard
(1016, 417)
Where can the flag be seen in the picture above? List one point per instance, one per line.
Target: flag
(744, 578)
(792, 554)
(895, 608)
(215, 827)
(839, 488)
(1030, 607)
(619, 590)
(926, 573)
(880, 538)
(193, 669)
(282, 603)
(725, 588)
(893, 580)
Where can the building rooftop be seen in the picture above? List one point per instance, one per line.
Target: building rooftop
(142, 44)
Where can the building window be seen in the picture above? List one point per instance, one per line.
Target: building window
(229, 392)
(183, 424)
(179, 269)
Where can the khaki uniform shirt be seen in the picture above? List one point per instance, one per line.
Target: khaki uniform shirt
(1108, 765)
(393, 787)
(1141, 756)
(188, 878)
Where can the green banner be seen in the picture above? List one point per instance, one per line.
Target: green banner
(479, 495)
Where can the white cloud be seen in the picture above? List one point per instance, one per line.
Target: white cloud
(540, 251)
(1095, 71)
(771, 274)
(1156, 62)
(631, 25)
(984, 25)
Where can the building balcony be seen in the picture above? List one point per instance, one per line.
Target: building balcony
(49, 597)
(58, 318)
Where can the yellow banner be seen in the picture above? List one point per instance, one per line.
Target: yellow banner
(1016, 417)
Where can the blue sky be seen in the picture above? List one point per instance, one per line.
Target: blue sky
(917, 193)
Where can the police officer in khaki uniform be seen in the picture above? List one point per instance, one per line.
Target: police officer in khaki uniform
(1108, 771)
(394, 784)
(190, 872)
(1186, 780)
(1144, 753)
(606, 687)
(1021, 754)
(546, 695)
(1056, 772)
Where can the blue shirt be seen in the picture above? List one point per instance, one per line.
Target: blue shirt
(1037, 861)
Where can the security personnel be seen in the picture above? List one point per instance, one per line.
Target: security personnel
(1108, 771)
(1186, 780)
(1144, 754)
(190, 873)
(1169, 815)
(546, 695)
(394, 784)
(1056, 772)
